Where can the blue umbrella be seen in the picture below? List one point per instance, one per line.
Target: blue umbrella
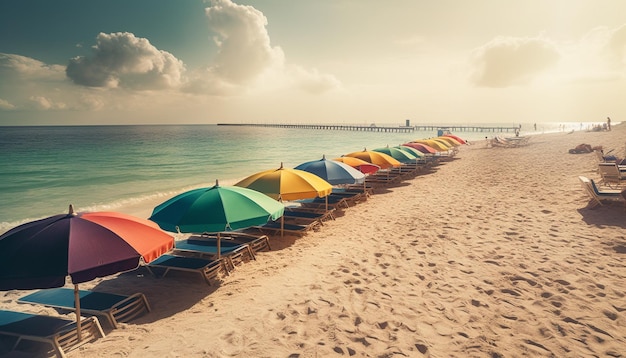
(333, 171)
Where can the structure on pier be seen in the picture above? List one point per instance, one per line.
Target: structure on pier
(375, 128)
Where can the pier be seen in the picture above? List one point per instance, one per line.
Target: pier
(375, 128)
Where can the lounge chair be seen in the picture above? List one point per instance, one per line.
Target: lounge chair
(597, 197)
(60, 333)
(232, 253)
(257, 243)
(112, 307)
(208, 269)
(274, 227)
(612, 175)
(303, 215)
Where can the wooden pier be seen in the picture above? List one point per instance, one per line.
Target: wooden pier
(374, 128)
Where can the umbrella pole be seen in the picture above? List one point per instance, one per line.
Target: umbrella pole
(282, 226)
(77, 306)
(219, 245)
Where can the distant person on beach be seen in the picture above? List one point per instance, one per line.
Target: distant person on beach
(608, 123)
(535, 126)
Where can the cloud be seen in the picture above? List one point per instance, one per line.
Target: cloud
(20, 67)
(245, 58)
(123, 60)
(616, 47)
(6, 105)
(508, 61)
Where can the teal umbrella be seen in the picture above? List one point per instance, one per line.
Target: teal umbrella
(216, 209)
(397, 154)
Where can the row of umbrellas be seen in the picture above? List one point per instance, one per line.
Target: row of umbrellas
(43, 253)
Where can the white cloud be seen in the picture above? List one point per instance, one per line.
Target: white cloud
(246, 59)
(123, 60)
(508, 61)
(6, 105)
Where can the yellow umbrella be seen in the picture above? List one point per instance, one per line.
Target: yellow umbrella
(451, 141)
(383, 160)
(286, 184)
(433, 143)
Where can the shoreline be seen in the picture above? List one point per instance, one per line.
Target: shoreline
(493, 254)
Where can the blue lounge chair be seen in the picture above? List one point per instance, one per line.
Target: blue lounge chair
(274, 227)
(112, 307)
(208, 269)
(232, 253)
(61, 335)
(598, 197)
(257, 243)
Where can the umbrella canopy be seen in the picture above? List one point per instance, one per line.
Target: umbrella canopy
(215, 209)
(334, 172)
(433, 143)
(359, 164)
(411, 150)
(422, 147)
(42, 253)
(381, 159)
(83, 246)
(458, 139)
(398, 154)
(449, 140)
(287, 184)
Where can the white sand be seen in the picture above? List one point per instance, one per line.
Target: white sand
(492, 255)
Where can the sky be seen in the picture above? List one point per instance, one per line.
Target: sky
(74, 62)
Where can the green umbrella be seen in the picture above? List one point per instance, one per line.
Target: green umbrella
(216, 209)
(397, 154)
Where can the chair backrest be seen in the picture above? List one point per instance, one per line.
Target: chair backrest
(609, 172)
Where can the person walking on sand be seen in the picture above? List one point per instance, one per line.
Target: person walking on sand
(608, 123)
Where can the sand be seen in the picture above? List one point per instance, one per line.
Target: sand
(493, 254)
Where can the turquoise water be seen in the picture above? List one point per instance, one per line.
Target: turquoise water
(44, 169)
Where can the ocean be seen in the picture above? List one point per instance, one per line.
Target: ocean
(111, 168)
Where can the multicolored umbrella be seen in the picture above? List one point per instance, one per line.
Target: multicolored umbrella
(359, 164)
(411, 150)
(381, 159)
(334, 172)
(83, 246)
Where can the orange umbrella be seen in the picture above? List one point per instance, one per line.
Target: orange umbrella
(360, 164)
(383, 160)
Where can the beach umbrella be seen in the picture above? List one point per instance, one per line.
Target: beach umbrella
(332, 171)
(422, 147)
(398, 154)
(381, 159)
(411, 150)
(286, 184)
(359, 164)
(458, 139)
(440, 147)
(43, 253)
(451, 141)
(216, 209)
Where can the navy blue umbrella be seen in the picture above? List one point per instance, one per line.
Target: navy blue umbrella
(332, 171)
